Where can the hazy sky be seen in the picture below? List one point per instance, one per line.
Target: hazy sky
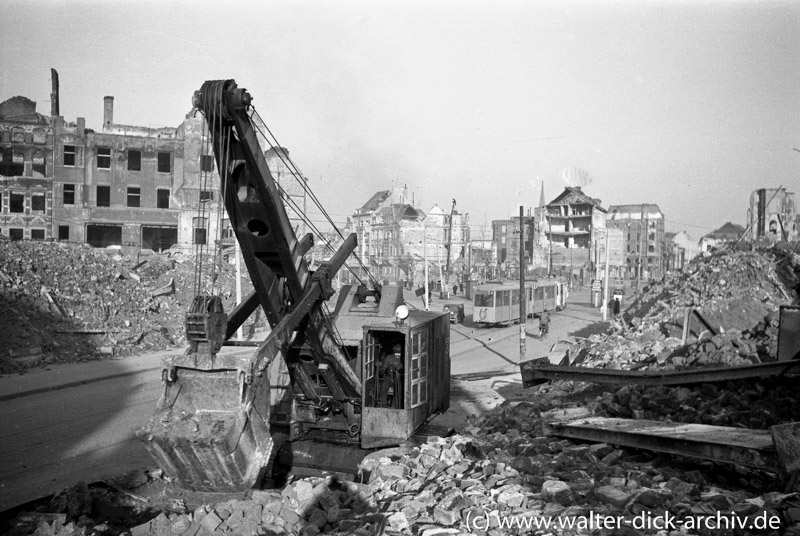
(690, 105)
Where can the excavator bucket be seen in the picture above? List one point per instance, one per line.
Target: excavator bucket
(205, 434)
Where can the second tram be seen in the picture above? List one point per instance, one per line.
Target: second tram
(498, 302)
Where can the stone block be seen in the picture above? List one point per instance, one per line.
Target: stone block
(557, 491)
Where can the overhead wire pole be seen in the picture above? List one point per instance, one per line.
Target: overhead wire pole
(522, 313)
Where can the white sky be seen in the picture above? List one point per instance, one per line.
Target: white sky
(690, 105)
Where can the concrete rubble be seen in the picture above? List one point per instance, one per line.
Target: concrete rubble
(502, 468)
(67, 302)
(736, 291)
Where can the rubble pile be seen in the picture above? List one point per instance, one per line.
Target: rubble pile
(71, 301)
(504, 471)
(736, 294)
(756, 404)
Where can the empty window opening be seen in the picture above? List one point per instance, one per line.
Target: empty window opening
(16, 234)
(37, 202)
(162, 198)
(199, 226)
(37, 234)
(159, 238)
(103, 196)
(17, 202)
(134, 197)
(164, 162)
(69, 194)
(63, 232)
(69, 155)
(206, 162)
(101, 236)
(134, 160)
(103, 158)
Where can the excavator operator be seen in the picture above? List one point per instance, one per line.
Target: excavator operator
(389, 373)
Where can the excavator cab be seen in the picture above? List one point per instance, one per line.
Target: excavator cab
(406, 372)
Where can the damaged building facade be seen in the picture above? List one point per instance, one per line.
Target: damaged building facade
(576, 223)
(395, 239)
(134, 187)
(646, 251)
(26, 171)
(772, 215)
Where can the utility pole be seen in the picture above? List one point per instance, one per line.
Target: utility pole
(449, 245)
(550, 244)
(604, 308)
(425, 260)
(641, 247)
(523, 317)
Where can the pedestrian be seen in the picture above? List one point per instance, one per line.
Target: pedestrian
(544, 323)
(616, 307)
(461, 288)
(455, 289)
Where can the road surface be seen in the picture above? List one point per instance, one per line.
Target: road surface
(54, 439)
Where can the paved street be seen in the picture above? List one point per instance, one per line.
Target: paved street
(85, 430)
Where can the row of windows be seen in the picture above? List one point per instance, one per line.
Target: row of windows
(38, 136)
(133, 197)
(16, 202)
(19, 234)
(199, 235)
(163, 162)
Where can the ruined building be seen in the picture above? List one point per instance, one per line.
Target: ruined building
(576, 223)
(122, 186)
(772, 215)
(26, 170)
(646, 251)
(133, 187)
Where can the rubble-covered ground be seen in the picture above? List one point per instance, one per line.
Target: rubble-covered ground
(737, 291)
(500, 474)
(66, 302)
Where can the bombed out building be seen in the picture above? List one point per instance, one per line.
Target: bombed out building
(26, 170)
(133, 187)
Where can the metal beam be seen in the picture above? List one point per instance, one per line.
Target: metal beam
(751, 448)
(533, 374)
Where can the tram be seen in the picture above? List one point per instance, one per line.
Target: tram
(498, 302)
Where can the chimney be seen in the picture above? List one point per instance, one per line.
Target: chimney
(108, 110)
(54, 94)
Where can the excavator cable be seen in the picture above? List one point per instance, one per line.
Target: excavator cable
(298, 177)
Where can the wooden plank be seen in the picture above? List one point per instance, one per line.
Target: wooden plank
(751, 448)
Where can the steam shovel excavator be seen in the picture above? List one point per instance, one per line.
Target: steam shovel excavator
(318, 375)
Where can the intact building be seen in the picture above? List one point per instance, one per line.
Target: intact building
(646, 251)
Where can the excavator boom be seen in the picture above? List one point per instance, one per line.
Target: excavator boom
(211, 428)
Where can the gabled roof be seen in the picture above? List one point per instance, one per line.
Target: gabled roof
(374, 201)
(727, 232)
(397, 212)
(573, 195)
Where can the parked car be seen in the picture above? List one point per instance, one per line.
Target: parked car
(456, 311)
